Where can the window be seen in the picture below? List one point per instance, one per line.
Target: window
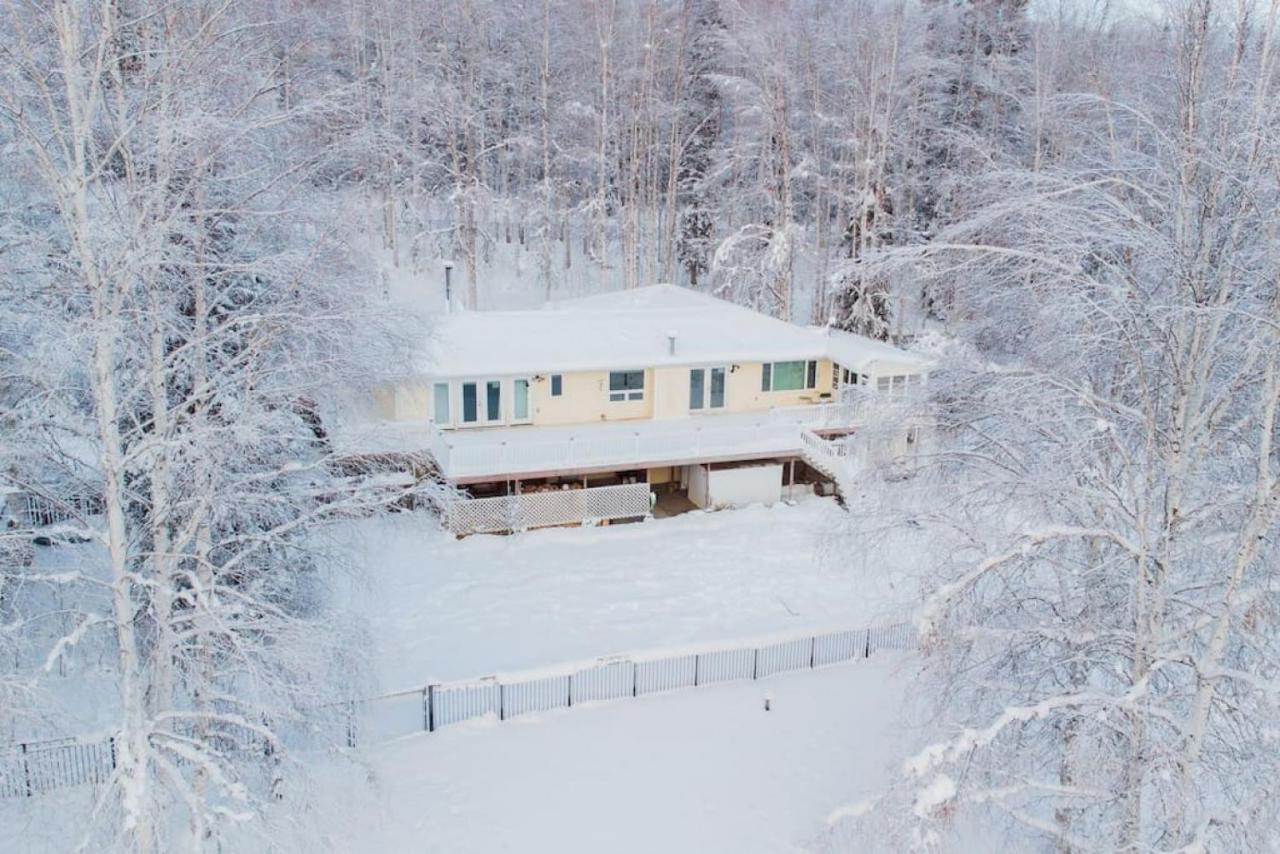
(788, 376)
(519, 400)
(882, 384)
(698, 390)
(717, 388)
(469, 413)
(557, 385)
(493, 400)
(440, 402)
(626, 385)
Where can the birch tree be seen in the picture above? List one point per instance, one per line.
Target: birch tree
(202, 314)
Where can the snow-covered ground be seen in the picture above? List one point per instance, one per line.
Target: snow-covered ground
(441, 609)
(702, 770)
(698, 770)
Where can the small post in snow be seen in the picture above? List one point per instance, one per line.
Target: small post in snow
(768, 700)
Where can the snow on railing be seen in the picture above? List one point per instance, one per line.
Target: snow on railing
(776, 430)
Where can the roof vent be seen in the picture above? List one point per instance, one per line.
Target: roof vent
(671, 343)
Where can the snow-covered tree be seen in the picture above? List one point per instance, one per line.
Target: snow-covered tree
(172, 267)
(1100, 636)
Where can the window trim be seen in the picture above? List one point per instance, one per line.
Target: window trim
(489, 385)
(706, 388)
(808, 375)
(626, 394)
(463, 420)
(528, 401)
(447, 421)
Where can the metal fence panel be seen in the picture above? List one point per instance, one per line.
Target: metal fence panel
(39, 767)
(839, 646)
(535, 695)
(606, 681)
(390, 717)
(453, 703)
(665, 674)
(781, 657)
(725, 665)
(901, 636)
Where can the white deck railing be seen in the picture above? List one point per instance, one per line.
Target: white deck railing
(528, 450)
(544, 509)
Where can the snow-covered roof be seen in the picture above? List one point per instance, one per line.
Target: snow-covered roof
(631, 329)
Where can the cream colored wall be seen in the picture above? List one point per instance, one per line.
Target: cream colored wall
(670, 392)
(585, 399)
(405, 402)
(744, 395)
(585, 396)
(742, 390)
(384, 402)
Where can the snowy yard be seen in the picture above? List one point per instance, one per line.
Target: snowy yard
(441, 609)
(698, 770)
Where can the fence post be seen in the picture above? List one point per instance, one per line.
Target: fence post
(26, 770)
(813, 648)
(431, 708)
(635, 679)
(697, 659)
(867, 649)
(426, 709)
(571, 690)
(502, 702)
(755, 662)
(351, 723)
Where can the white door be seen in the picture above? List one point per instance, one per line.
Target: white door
(706, 388)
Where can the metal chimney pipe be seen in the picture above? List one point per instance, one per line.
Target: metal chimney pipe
(448, 286)
(671, 343)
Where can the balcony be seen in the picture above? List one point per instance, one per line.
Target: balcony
(507, 453)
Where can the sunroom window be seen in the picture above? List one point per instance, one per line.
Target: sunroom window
(626, 385)
(440, 402)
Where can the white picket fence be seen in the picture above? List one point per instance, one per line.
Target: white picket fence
(614, 678)
(464, 516)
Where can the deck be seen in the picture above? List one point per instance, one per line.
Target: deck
(524, 452)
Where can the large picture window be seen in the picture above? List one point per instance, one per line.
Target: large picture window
(789, 376)
(626, 385)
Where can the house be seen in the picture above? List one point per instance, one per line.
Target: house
(661, 389)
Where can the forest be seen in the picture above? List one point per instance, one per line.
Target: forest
(1071, 203)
